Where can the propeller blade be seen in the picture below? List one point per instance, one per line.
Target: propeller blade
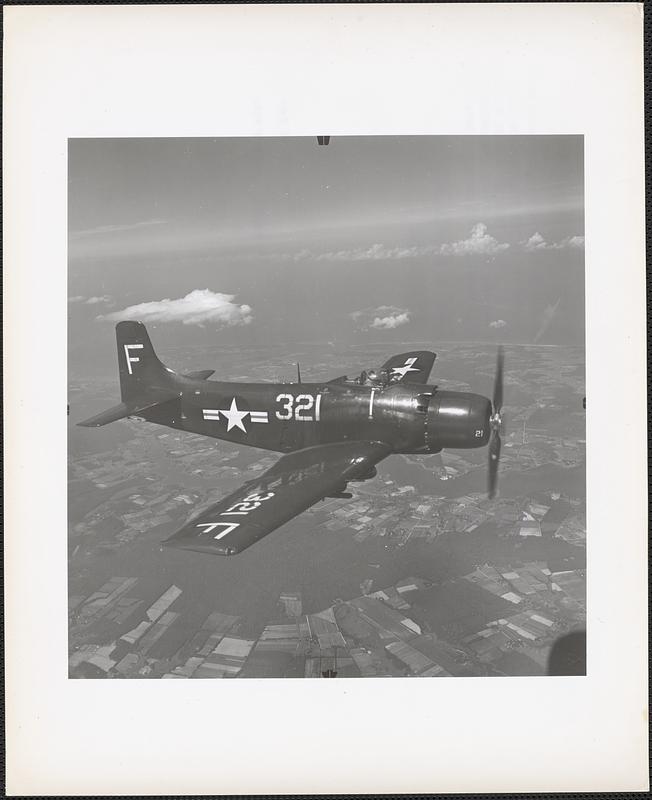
(494, 459)
(498, 381)
(496, 426)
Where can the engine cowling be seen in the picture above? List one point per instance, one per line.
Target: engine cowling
(457, 420)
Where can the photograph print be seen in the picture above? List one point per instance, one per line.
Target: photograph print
(326, 407)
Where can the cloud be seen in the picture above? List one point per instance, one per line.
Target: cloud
(498, 323)
(102, 229)
(479, 243)
(196, 308)
(91, 301)
(374, 252)
(381, 317)
(391, 321)
(537, 242)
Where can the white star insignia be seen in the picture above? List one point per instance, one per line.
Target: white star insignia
(234, 416)
(407, 367)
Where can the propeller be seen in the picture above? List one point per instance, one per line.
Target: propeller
(496, 424)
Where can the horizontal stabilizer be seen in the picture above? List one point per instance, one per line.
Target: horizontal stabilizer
(200, 374)
(110, 415)
(123, 410)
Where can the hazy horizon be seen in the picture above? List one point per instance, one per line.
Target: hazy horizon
(256, 241)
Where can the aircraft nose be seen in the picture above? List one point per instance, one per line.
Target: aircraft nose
(459, 420)
(480, 416)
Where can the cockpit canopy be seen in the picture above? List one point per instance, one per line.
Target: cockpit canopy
(375, 377)
(412, 367)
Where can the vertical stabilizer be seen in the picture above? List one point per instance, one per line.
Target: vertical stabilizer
(140, 369)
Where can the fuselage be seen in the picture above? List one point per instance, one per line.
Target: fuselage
(283, 417)
(330, 433)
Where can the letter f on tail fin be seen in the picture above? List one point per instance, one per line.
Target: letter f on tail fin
(139, 366)
(144, 380)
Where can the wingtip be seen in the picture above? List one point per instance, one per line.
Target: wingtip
(216, 550)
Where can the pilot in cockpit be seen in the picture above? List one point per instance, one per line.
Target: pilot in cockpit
(374, 377)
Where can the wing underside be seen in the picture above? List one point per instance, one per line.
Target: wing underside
(297, 481)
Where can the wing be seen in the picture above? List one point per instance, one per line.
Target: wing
(297, 481)
(411, 367)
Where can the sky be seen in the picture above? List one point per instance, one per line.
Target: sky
(271, 240)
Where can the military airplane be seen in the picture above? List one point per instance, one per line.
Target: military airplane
(330, 432)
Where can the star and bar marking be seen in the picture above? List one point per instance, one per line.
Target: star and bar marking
(234, 416)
